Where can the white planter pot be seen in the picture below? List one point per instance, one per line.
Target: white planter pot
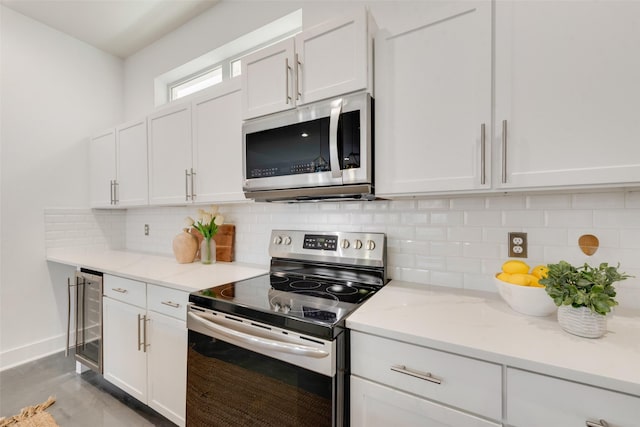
(582, 321)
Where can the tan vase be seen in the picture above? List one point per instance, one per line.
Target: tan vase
(185, 247)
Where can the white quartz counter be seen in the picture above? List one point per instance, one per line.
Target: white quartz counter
(481, 325)
(157, 269)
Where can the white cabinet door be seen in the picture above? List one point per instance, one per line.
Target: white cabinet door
(102, 169)
(567, 86)
(433, 101)
(125, 362)
(167, 366)
(374, 405)
(268, 80)
(332, 58)
(535, 400)
(170, 155)
(217, 145)
(132, 182)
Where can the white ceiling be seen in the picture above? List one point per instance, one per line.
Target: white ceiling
(120, 27)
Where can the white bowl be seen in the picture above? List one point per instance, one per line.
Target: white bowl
(528, 300)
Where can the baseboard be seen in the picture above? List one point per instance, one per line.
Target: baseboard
(33, 351)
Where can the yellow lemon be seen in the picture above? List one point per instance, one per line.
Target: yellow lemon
(515, 266)
(503, 276)
(533, 281)
(519, 279)
(540, 271)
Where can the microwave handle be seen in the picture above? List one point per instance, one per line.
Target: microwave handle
(336, 110)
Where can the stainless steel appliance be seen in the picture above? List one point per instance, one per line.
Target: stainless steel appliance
(273, 350)
(87, 300)
(315, 152)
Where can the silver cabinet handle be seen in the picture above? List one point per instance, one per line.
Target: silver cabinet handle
(422, 375)
(483, 146)
(504, 151)
(298, 64)
(69, 286)
(145, 319)
(287, 98)
(116, 196)
(193, 189)
(120, 290)
(334, 118)
(111, 192)
(186, 185)
(602, 423)
(139, 342)
(171, 304)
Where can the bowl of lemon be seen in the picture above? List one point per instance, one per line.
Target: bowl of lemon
(519, 286)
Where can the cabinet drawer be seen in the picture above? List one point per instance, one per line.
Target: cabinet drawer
(375, 405)
(535, 400)
(465, 383)
(125, 290)
(171, 302)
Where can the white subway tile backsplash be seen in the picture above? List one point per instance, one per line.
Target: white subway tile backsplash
(598, 200)
(548, 201)
(628, 218)
(569, 218)
(458, 242)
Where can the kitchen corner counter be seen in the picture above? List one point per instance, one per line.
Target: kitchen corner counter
(481, 325)
(155, 269)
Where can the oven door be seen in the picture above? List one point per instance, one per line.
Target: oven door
(323, 144)
(242, 373)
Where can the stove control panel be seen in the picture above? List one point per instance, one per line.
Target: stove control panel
(344, 247)
(322, 242)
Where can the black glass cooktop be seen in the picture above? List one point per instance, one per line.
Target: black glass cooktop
(302, 302)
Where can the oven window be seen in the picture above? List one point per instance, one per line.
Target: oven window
(302, 147)
(230, 386)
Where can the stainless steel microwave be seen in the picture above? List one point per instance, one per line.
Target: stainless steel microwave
(320, 151)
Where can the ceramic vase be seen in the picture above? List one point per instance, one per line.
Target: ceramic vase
(582, 321)
(185, 247)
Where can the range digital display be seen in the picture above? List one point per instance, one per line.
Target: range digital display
(320, 242)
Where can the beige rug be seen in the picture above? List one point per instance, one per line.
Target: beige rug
(32, 416)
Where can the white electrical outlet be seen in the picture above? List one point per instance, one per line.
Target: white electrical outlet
(517, 245)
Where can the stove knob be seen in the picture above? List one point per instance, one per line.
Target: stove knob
(277, 307)
(358, 244)
(287, 240)
(344, 244)
(286, 308)
(371, 245)
(277, 240)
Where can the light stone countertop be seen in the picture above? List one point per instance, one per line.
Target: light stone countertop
(156, 269)
(481, 325)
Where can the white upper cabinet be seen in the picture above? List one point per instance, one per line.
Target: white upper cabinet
(118, 166)
(217, 147)
(327, 60)
(268, 80)
(170, 168)
(195, 149)
(433, 100)
(132, 177)
(566, 76)
(333, 58)
(102, 169)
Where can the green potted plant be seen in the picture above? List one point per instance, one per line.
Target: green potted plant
(584, 295)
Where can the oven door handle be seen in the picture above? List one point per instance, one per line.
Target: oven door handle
(259, 342)
(336, 110)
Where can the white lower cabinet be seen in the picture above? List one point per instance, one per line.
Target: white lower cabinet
(420, 382)
(535, 400)
(374, 405)
(145, 349)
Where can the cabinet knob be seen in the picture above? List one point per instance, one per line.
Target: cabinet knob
(601, 423)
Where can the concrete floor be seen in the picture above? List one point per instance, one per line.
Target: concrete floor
(85, 400)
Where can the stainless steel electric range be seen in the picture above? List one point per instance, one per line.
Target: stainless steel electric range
(273, 350)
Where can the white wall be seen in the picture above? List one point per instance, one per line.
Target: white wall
(55, 92)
